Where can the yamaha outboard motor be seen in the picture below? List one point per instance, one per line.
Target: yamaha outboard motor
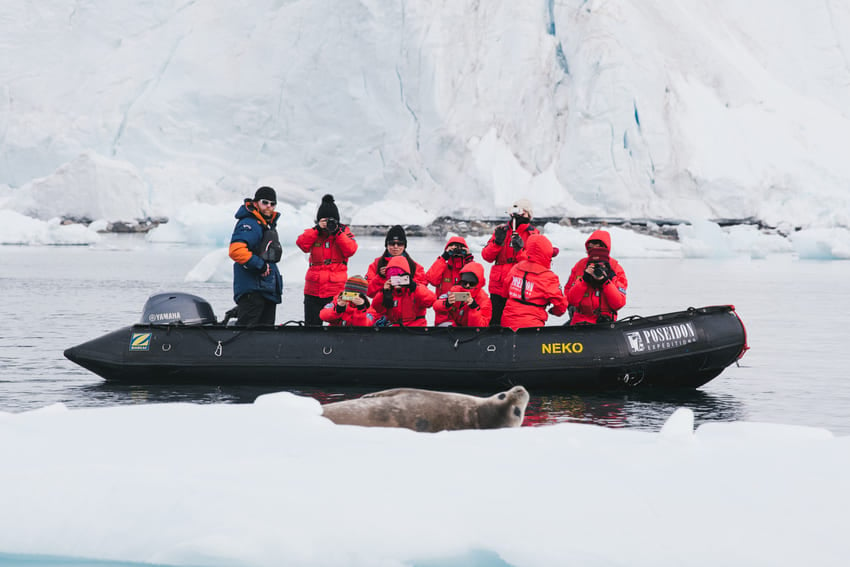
(170, 308)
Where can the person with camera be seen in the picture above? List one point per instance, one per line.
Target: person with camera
(465, 304)
(445, 271)
(402, 300)
(597, 286)
(350, 308)
(503, 249)
(533, 287)
(330, 244)
(255, 250)
(395, 245)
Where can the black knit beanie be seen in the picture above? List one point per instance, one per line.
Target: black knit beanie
(327, 210)
(265, 193)
(396, 233)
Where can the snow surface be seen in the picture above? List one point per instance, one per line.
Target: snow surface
(410, 110)
(274, 483)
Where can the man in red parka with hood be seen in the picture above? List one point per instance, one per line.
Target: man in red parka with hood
(330, 245)
(402, 300)
(472, 312)
(445, 271)
(597, 286)
(532, 286)
(503, 249)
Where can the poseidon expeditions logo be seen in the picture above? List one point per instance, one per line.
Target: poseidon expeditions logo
(661, 338)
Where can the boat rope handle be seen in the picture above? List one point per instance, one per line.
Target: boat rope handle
(491, 348)
(218, 349)
(166, 347)
(327, 350)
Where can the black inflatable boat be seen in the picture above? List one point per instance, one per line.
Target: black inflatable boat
(180, 342)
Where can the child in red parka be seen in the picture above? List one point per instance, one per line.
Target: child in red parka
(402, 300)
(532, 286)
(472, 312)
(351, 307)
(597, 286)
(445, 271)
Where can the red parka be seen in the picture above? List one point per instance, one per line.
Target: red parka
(504, 257)
(589, 301)
(476, 314)
(532, 286)
(329, 254)
(377, 281)
(404, 306)
(445, 272)
(349, 316)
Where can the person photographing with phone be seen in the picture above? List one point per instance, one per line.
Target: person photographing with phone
(402, 300)
(596, 290)
(445, 272)
(503, 249)
(330, 244)
(350, 308)
(395, 245)
(465, 304)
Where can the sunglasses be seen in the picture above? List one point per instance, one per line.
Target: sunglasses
(395, 243)
(267, 203)
(466, 284)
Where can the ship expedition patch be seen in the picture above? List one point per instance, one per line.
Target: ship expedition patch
(661, 338)
(140, 341)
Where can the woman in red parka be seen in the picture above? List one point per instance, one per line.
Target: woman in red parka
(445, 271)
(597, 286)
(330, 245)
(472, 312)
(395, 244)
(351, 307)
(402, 300)
(532, 286)
(504, 250)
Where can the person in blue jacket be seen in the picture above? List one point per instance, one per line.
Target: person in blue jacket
(255, 249)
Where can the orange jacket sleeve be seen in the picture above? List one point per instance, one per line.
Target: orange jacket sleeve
(239, 252)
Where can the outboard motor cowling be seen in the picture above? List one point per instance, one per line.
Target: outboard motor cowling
(170, 308)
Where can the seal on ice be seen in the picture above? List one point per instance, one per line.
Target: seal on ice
(430, 411)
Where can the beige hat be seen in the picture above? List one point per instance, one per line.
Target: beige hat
(523, 205)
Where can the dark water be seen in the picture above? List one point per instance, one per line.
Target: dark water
(55, 297)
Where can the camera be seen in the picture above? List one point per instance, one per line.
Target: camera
(456, 251)
(398, 281)
(332, 224)
(599, 271)
(516, 242)
(349, 295)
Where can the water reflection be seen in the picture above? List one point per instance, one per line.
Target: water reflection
(645, 410)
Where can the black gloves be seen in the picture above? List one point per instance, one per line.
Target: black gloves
(412, 286)
(445, 255)
(602, 272)
(516, 242)
(499, 234)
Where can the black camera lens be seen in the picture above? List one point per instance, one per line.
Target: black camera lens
(598, 271)
(332, 225)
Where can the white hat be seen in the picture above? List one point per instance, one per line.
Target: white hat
(525, 206)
